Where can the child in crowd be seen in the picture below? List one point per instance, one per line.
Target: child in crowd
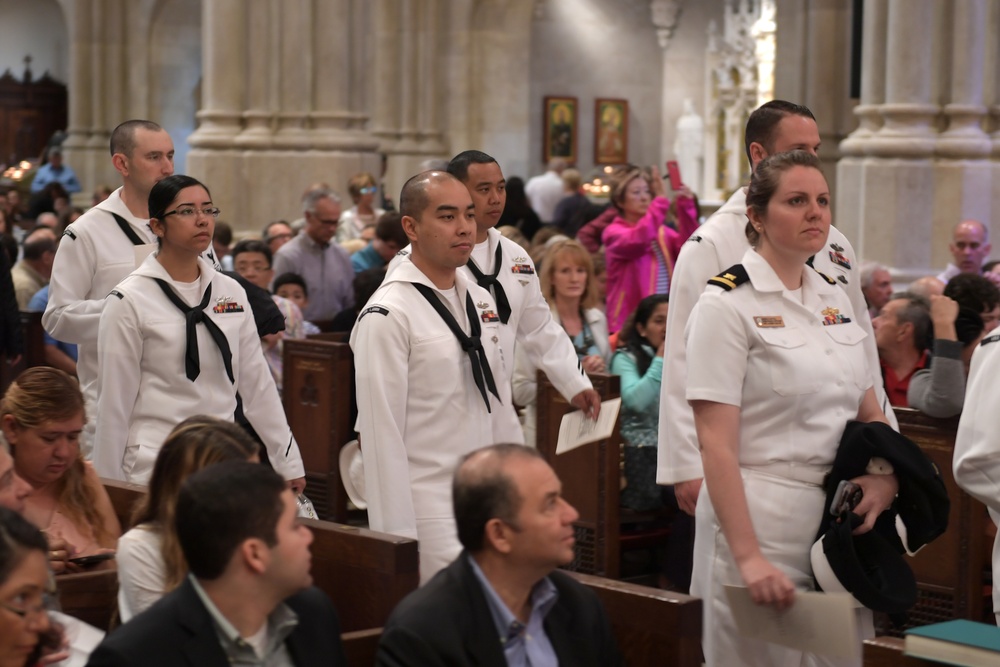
(291, 286)
(639, 362)
(252, 260)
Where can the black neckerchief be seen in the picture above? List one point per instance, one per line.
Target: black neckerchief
(127, 228)
(471, 344)
(194, 316)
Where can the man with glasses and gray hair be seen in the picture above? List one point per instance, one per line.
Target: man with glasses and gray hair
(325, 266)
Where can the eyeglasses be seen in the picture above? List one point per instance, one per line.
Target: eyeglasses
(20, 605)
(369, 190)
(189, 212)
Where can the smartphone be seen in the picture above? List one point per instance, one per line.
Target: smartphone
(93, 559)
(674, 173)
(846, 498)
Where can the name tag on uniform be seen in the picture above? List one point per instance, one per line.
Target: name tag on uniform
(769, 321)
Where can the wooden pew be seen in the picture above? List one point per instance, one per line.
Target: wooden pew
(361, 646)
(317, 388)
(365, 573)
(590, 476)
(888, 652)
(91, 597)
(949, 571)
(651, 626)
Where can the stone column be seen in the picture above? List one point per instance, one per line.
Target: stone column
(224, 73)
(965, 137)
(666, 16)
(261, 76)
(430, 93)
(386, 108)
(908, 112)
(872, 77)
(79, 16)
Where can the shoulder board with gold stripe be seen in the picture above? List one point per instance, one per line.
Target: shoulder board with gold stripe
(825, 277)
(731, 278)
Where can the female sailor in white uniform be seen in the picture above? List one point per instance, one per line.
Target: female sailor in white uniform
(178, 339)
(776, 369)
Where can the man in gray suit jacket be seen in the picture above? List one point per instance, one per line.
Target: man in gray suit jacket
(502, 602)
(248, 599)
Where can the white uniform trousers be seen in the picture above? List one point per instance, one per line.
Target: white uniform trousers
(785, 515)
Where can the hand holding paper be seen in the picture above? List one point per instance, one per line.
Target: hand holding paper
(576, 429)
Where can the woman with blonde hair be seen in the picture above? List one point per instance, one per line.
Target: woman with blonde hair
(568, 284)
(363, 215)
(149, 555)
(42, 415)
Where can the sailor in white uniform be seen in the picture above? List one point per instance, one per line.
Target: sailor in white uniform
(426, 350)
(178, 339)
(977, 445)
(103, 246)
(721, 242)
(776, 369)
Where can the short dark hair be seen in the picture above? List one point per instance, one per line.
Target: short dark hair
(252, 245)
(413, 198)
(764, 120)
(365, 284)
(481, 495)
(222, 506)
(123, 136)
(390, 228)
(459, 165)
(973, 291)
(290, 278)
(223, 233)
(35, 248)
(266, 232)
(17, 537)
(162, 195)
(917, 312)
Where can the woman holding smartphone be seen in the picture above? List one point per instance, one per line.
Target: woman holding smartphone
(776, 369)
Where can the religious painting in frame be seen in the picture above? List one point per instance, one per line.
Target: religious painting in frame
(610, 131)
(560, 129)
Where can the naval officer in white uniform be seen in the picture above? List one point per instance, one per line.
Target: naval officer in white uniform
(777, 368)
(426, 350)
(775, 127)
(977, 445)
(177, 339)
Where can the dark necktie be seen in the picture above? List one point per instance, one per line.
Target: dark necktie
(487, 282)
(193, 317)
(471, 344)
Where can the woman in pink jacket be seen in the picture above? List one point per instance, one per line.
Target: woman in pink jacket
(640, 248)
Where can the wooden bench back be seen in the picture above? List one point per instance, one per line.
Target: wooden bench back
(91, 597)
(590, 478)
(365, 573)
(651, 626)
(949, 570)
(888, 652)
(318, 376)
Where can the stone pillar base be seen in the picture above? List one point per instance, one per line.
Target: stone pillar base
(901, 212)
(256, 187)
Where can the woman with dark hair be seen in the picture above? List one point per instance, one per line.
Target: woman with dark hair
(639, 246)
(25, 587)
(639, 362)
(185, 334)
(517, 212)
(776, 368)
(150, 560)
